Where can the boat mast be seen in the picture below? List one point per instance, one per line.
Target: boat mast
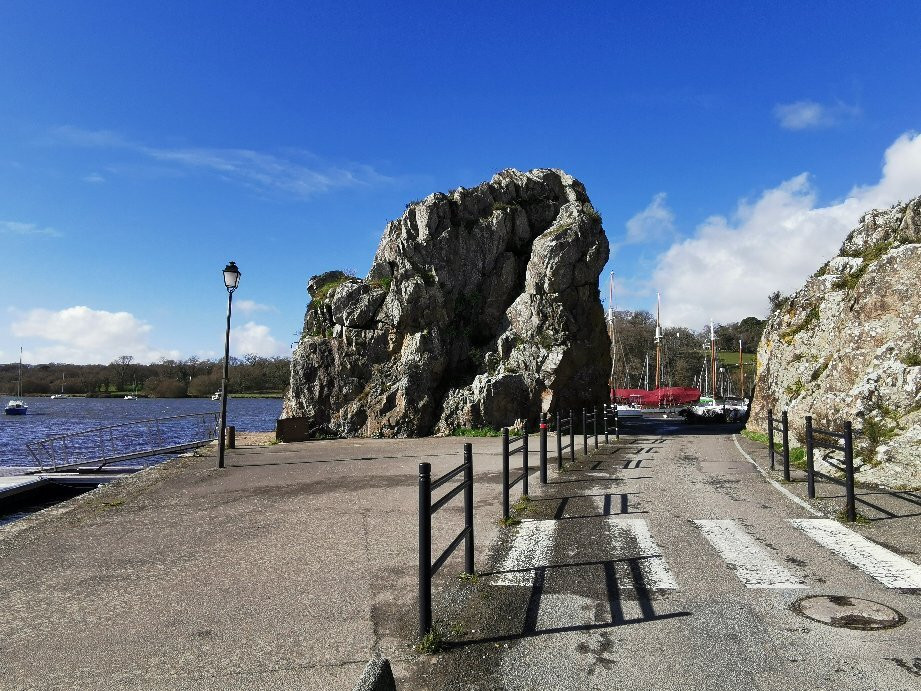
(741, 373)
(658, 338)
(611, 383)
(712, 359)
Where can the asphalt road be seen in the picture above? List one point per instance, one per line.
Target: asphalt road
(669, 562)
(292, 566)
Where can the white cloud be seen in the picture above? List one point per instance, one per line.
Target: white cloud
(730, 266)
(251, 307)
(81, 335)
(654, 223)
(298, 173)
(256, 338)
(94, 178)
(19, 228)
(804, 115)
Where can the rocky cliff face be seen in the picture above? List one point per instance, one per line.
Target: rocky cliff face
(848, 346)
(481, 308)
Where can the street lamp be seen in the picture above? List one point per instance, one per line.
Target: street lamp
(231, 281)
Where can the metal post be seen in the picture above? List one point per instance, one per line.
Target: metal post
(785, 437)
(468, 506)
(543, 448)
(559, 443)
(616, 423)
(605, 409)
(220, 448)
(425, 549)
(505, 502)
(771, 436)
(524, 459)
(595, 424)
(849, 471)
(810, 466)
(231, 437)
(572, 436)
(584, 432)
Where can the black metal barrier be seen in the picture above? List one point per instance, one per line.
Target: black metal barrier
(506, 453)
(564, 426)
(784, 430)
(427, 568)
(543, 448)
(835, 441)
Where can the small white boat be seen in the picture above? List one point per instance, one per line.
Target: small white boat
(62, 394)
(17, 407)
(216, 396)
(131, 397)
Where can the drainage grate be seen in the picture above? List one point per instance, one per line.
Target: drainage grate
(848, 612)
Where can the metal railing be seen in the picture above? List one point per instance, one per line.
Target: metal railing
(835, 441)
(564, 426)
(507, 484)
(428, 568)
(784, 430)
(127, 441)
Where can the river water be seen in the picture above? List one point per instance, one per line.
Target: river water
(48, 418)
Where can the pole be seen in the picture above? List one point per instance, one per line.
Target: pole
(468, 506)
(741, 373)
(771, 436)
(595, 424)
(220, 452)
(505, 499)
(524, 459)
(572, 436)
(425, 549)
(849, 471)
(584, 432)
(810, 465)
(605, 409)
(543, 448)
(559, 443)
(785, 431)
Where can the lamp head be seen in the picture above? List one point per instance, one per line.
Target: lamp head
(231, 277)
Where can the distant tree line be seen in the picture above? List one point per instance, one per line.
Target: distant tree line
(250, 374)
(684, 351)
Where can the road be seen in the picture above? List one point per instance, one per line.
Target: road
(669, 562)
(666, 561)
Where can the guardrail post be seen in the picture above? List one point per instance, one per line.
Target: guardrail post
(595, 424)
(810, 464)
(616, 423)
(785, 437)
(543, 448)
(849, 471)
(505, 502)
(771, 436)
(605, 409)
(524, 458)
(468, 507)
(231, 437)
(559, 443)
(572, 436)
(584, 432)
(425, 549)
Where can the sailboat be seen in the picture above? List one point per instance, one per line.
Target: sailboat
(623, 410)
(17, 407)
(62, 394)
(132, 396)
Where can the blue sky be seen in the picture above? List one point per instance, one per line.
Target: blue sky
(728, 146)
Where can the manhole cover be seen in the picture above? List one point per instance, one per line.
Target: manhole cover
(848, 612)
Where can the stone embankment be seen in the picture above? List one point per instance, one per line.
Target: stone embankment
(481, 308)
(847, 346)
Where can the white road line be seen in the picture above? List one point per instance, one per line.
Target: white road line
(531, 548)
(753, 565)
(783, 490)
(624, 533)
(885, 566)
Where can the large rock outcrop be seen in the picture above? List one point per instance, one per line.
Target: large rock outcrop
(481, 308)
(848, 346)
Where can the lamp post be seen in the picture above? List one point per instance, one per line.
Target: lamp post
(231, 281)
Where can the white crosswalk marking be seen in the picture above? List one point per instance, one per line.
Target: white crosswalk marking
(627, 532)
(878, 562)
(753, 565)
(531, 548)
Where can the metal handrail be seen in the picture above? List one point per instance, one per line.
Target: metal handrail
(102, 446)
